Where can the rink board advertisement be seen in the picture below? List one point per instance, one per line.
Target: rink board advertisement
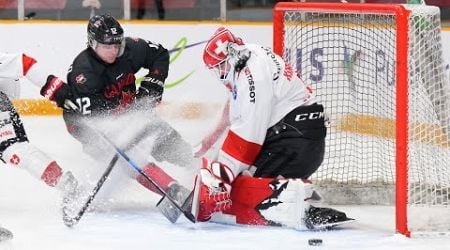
(56, 45)
(191, 91)
(188, 86)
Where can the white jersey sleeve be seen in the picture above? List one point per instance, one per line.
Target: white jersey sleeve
(262, 93)
(11, 66)
(15, 66)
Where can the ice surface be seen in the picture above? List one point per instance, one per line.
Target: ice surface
(127, 219)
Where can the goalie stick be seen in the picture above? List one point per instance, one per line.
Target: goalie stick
(183, 208)
(71, 221)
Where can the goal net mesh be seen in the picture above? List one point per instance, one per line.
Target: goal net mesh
(350, 60)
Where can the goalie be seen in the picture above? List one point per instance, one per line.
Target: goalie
(276, 133)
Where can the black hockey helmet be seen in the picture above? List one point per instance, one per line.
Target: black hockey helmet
(104, 29)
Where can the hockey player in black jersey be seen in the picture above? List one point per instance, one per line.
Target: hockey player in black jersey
(101, 95)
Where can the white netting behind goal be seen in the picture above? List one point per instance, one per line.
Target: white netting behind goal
(350, 58)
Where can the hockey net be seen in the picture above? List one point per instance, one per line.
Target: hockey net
(378, 69)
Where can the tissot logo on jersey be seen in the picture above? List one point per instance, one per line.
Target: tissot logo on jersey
(251, 85)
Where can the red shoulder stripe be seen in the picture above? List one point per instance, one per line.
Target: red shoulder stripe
(27, 62)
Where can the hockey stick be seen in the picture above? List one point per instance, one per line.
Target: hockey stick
(187, 46)
(185, 211)
(71, 221)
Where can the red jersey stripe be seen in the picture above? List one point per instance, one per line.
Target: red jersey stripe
(27, 62)
(241, 149)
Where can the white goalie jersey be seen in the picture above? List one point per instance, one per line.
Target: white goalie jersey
(261, 94)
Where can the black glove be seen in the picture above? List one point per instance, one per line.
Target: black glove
(58, 91)
(152, 87)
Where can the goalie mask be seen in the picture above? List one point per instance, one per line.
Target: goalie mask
(105, 29)
(219, 49)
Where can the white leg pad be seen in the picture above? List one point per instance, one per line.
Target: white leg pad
(293, 202)
(265, 201)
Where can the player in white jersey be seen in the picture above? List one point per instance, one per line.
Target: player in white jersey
(15, 148)
(276, 132)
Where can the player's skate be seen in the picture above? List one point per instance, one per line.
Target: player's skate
(181, 195)
(322, 217)
(70, 196)
(5, 234)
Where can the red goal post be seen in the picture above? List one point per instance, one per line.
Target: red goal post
(379, 72)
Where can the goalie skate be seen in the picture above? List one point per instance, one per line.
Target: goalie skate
(182, 196)
(5, 234)
(325, 218)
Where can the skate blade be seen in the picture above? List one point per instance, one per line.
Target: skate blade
(332, 225)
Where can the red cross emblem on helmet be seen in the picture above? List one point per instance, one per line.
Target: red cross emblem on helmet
(216, 50)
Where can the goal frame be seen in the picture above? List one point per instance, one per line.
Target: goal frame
(401, 137)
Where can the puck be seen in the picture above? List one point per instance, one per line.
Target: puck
(315, 242)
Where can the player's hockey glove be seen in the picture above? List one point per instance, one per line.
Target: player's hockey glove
(152, 87)
(58, 91)
(213, 190)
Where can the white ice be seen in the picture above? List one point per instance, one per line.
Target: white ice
(128, 218)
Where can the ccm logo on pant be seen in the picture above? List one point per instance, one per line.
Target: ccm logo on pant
(309, 116)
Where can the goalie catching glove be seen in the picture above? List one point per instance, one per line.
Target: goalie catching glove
(58, 91)
(212, 190)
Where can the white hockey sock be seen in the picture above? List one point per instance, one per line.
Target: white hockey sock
(26, 156)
